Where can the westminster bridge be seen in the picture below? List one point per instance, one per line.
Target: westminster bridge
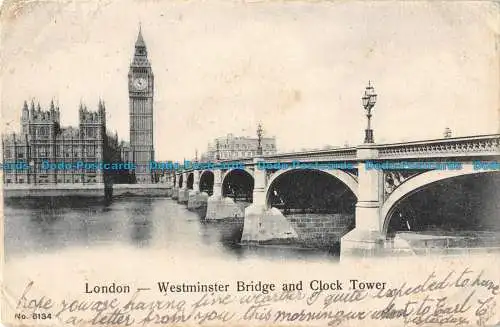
(355, 196)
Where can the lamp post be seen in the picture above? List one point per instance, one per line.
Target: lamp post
(260, 132)
(369, 100)
(217, 155)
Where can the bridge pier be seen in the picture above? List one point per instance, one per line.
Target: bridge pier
(366, 239)
(175, 188)
(199, 203)
(175, 193)
(183, 191)
(264, 224)
(219, 207)
(195, 198)
(195, 191)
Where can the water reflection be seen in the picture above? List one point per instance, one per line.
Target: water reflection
(65, 224)
(140, 222)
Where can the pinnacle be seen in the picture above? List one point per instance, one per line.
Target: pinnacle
(140, 41)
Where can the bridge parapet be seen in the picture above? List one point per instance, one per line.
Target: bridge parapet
(340, 154)
(471, 146)
(483, 145)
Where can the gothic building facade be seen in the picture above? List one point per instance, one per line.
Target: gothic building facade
(42, 142)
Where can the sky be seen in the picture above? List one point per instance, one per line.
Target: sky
(298, 67)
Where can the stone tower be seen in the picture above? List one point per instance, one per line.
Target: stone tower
(141, 91)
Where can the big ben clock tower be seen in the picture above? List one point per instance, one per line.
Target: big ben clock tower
(141, 91)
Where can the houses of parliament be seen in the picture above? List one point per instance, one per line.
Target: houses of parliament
(43, 140)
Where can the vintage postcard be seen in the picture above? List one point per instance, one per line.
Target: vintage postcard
(250, 163)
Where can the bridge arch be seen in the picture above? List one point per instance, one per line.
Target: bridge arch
(238, 183)
(318, 204)
(207, 182)
(349, 181)
(227, 172)
(416, 184)
(180, 180)
(190, 180)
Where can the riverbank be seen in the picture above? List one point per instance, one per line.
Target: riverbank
(95, 190)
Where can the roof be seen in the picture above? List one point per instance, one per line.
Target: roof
(140, 40)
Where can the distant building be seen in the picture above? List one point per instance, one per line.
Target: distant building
(42, 139)
(236, 147)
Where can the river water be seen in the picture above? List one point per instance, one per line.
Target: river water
(65, 227)
(59, 247)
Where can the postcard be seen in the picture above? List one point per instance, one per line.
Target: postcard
(250, 163)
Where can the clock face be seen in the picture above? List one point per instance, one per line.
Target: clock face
(140, 83)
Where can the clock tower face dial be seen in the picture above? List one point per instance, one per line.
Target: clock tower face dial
(140, 83)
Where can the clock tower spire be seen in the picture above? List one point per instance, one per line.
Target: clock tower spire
(141, 92)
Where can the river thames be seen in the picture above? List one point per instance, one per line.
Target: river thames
(67, 226)
(58, 251)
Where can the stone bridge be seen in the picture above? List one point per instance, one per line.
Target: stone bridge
(347, 195)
